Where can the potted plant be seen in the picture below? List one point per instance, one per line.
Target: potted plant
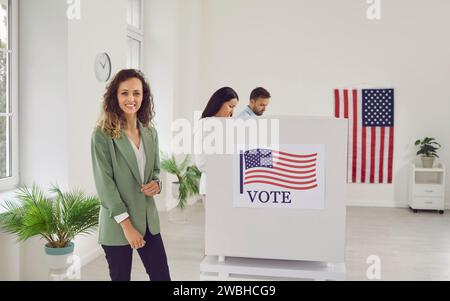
(188, 178)
(428, 148)
(58, 220)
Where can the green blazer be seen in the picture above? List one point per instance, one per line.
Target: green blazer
(118, 184)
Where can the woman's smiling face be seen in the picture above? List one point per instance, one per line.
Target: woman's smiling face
(130, 96)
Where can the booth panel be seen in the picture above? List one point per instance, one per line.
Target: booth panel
(281, 233)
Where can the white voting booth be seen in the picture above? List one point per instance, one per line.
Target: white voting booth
(277, 211)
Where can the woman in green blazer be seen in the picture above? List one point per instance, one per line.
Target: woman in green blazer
(125, 160)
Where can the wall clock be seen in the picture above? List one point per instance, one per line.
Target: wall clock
(102, 67)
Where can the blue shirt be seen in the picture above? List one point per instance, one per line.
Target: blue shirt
(247, 112)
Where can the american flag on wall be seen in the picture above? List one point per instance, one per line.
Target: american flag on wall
(371, 133)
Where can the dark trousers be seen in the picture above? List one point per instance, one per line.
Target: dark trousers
(153, 257)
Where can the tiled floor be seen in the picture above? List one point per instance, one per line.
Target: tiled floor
(410, 246)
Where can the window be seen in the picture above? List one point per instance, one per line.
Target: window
(134, 13)
(134, 53)
(135, 38)
(8, 95)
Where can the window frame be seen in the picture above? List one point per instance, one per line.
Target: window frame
(138, 34)
(12, 181)
(139, 30)
(139, 39)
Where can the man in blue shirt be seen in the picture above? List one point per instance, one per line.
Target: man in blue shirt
(259, 101)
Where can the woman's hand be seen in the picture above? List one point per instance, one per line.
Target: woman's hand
(151, 189)
(134, 238)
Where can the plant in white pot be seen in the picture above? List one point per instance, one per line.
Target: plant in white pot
(428, 148)
(188, 178)
(58, 220)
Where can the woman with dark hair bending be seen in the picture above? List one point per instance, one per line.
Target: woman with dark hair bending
(221, 104)
(125, 160)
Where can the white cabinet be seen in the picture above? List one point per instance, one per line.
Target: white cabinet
(427, 188)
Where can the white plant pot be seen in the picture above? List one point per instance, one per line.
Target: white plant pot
(427, 162)
(175, 189)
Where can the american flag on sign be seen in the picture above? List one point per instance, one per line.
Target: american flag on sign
(280, 169)
(371, 133)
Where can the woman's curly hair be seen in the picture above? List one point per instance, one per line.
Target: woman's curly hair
(112, 119)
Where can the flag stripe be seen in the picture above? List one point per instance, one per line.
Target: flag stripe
(295, 156)
(294, 166)
(295, 172)
(279, 174)
(336, 103)
(391, 154)
(377, 154)
(385, 155)
(345, 113)
(293, 161)
(277, 179)
(364, 155)
(373, 140)
(368, 155)
(382, 142)
(355, 134)
(346, 104)
(359, 138)
(241, 175)
(281, 185)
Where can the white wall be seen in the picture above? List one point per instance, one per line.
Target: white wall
(172, 60)
(43, 95)
(161, 29)
(160, 48)
(301, 50)
(10, 259)
(172, 66)
(60, 101)
(188, 80)
(10, 250)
